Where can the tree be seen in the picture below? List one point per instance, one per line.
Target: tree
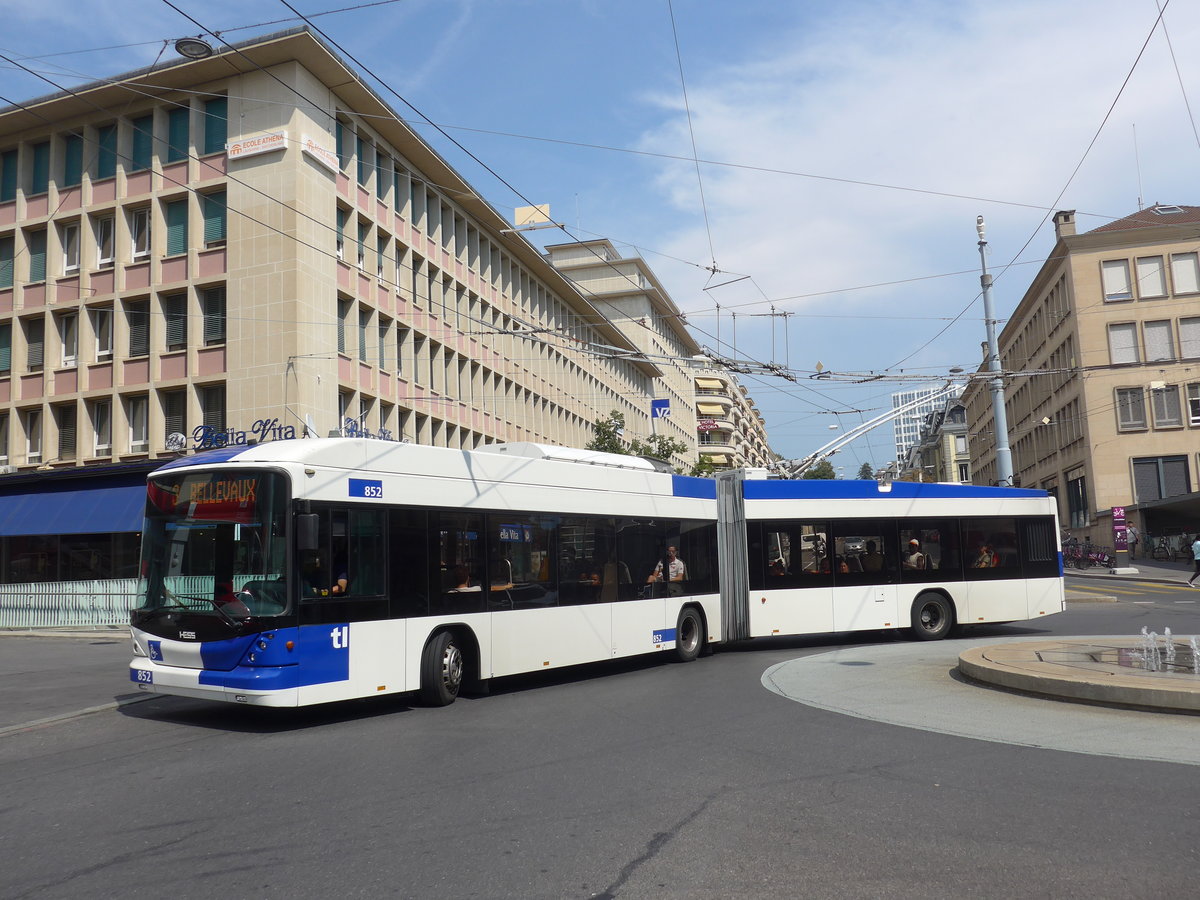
(703, 469)
(865, 473)
(821, 471)
(608, 434)
(608, 439)
(658, 446)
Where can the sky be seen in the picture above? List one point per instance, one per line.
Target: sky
(845, 150)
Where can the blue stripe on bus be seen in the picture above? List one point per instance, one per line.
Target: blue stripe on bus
(700, 488)
(826, 489)
(663, 636)
(321, 655)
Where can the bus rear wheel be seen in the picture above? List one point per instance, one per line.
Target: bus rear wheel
(441, 671)
(932, 617)
(689, 635)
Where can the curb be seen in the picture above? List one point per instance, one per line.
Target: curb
(1019, 667)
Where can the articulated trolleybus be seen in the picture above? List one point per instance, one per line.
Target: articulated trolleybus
(307, 571)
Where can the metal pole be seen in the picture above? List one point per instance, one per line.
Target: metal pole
(1004, 469)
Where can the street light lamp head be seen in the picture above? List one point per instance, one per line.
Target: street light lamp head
(193, 48)
(979, 227)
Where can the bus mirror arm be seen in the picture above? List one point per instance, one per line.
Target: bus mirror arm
(306, 532)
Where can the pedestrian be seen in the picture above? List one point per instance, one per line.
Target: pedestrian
(1196, 558)
(1134, 537)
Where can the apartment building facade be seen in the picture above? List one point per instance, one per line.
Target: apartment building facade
(1102, 377)
(253, 247)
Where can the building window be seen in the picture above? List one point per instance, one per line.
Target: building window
(343, 310)
(137, 411)
(381, 246)
(8, 175)
(1131, 409)
(341, 233)
(1189, 338)
(33, 435)
(64, 417)
(1077, 505)
(364, 164)
(175, 318)
(363, 229)
(35, 343)
(960, 443)
(7, 261)
(142, 144)
(401, 340)
(1185, 273)
(342, 140)
(4, 438)
(102, 329)
(35, 244)
(964, 473)
(41, 168)
(106, 151)
(176, 214)
(1115, 274)
(213, 207)
(6, 348)
(212, 301)
(105, 228)
(216, 124)
(1158, 477)
(174, 412)
(1123, 343)
(178, 133)
(1164, 404)
(69, 236)
(1151, 277)
(100, 413)
(1160, 343)
(1193, 401)
(137, 318)
(72, 160)
(68, 333)
(385, 326)
(364, 324)
(212, 407)
(139, 232)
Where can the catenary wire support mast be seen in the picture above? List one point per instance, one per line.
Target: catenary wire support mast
(1004, 470)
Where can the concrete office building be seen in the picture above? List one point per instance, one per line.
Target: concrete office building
(250, 247)
(1103, 399)
(907, 426)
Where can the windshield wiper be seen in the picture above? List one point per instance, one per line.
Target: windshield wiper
(219, 607)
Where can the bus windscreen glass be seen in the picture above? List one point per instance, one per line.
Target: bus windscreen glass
(214, 544)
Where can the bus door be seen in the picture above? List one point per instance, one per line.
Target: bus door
(866, 567)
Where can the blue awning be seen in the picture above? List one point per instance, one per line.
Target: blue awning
(83, 509)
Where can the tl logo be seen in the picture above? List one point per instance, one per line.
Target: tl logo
(341, 637)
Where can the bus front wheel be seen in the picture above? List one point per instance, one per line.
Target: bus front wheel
(689, 635)
(932, 617)
(441, 671)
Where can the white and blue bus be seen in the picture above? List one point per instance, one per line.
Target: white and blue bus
(308, 571)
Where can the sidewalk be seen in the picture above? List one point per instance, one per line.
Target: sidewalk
(1147, 570)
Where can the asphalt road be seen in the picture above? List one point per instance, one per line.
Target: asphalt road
(655, 780)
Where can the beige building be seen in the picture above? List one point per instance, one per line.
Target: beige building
(942, 451)
(626, 291)
(252, 247)
(1103, 384)
(732, 432)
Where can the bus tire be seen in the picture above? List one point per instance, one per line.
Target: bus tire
(441, 670)
(932, 617)
(689, 635)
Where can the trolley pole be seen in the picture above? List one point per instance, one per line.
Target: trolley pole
(1004, 469)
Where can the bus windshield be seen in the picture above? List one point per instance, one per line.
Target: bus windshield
(214, 544)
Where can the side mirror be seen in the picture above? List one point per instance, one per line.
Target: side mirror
(307, 529)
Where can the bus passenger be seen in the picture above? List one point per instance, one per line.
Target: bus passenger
(914, 558)
(986, 559)
(872, 560)
(676, 570)
(462, 581)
